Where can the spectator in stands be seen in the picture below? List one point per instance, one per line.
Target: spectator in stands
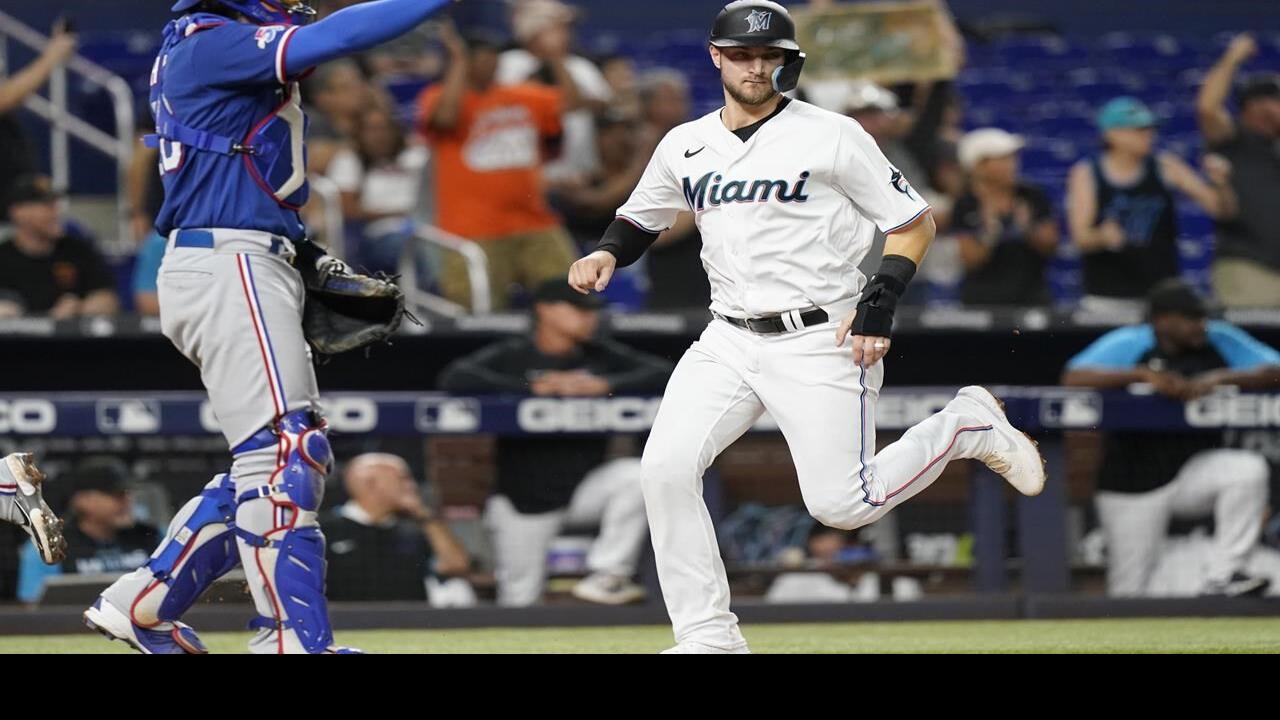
(1005, 227)
(17, 158)
(664, 101)
(1246, 272)
(380, 180)
(45, 270)
(545, 483)
(102, 533)
(1122, 210)
(676, 278)
(1147, 478)
(620, 72)
(487, 143)
(590, 201)
(544, 31)
(338, 93)
(384, 543)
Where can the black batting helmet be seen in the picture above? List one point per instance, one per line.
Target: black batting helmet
(761, 23)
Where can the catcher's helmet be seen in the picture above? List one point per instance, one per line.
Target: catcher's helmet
(261, 12)
(761, 23)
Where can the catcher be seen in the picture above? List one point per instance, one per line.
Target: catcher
(230, 134)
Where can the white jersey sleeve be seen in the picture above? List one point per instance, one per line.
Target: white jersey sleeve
(865, 176)
(658, 198)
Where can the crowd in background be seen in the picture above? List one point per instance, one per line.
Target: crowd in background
(524, 145)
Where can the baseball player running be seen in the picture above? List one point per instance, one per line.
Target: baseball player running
(787, 197)
(230, 131)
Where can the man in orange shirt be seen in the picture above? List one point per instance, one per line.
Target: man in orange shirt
(488, 145)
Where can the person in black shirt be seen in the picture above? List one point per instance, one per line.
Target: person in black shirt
(1246, 271)
(1122, 209)
(383, 543)
(102, 534)
(545, 483)
(44, 270)
(1005, 227)
(1148, 478)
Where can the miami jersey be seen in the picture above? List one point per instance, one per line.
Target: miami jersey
(785, 216)
(223, 84)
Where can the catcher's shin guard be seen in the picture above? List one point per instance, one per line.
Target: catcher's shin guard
(143, 607)
(281, 545)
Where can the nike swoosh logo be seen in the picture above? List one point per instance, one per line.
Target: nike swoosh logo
(688, 154)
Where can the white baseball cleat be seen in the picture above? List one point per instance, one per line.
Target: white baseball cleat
(1016, 457)
(607, 589)
(689, 647)
(20, 477)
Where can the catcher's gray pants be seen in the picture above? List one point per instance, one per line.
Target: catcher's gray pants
(232, 304)
(1228, 484)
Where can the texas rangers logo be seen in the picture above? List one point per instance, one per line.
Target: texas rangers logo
(758, 20)
(266, 35)
(900, 183)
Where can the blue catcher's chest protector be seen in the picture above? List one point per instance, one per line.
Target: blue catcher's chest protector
(229, 127)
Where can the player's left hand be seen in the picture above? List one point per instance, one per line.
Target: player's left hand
(867, 349)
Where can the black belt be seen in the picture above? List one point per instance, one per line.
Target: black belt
(773, 324)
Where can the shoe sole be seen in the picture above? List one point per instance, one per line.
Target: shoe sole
(1027, 443)
(46, 528)
(625, 599)
(97, 620)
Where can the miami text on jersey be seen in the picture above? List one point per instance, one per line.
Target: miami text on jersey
(741, 191)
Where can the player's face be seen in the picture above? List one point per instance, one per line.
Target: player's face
(747, 72)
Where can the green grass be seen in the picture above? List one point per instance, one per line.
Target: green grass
(1233, 635)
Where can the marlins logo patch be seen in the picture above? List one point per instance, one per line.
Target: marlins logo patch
(758, 20)
(900, 183)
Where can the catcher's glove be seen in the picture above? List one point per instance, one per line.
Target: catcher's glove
(345, 310)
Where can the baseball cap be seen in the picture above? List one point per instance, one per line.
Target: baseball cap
(1174, 296)
(984, 143)
(1264, 86)
(31, 189)
(1125, 112)
(101, 475)
(557, 290)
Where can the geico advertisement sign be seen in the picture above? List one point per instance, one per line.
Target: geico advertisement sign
(1233, 410)
(344, 414)
(27, 416)
(547, 415)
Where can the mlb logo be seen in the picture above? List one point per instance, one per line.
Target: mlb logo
(447, 415)
(128, 416)
(1083, 410)
(267, 35)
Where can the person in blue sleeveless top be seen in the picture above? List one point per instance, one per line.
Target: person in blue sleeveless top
(1121, 207)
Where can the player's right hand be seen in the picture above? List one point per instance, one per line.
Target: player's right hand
(592, 272)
